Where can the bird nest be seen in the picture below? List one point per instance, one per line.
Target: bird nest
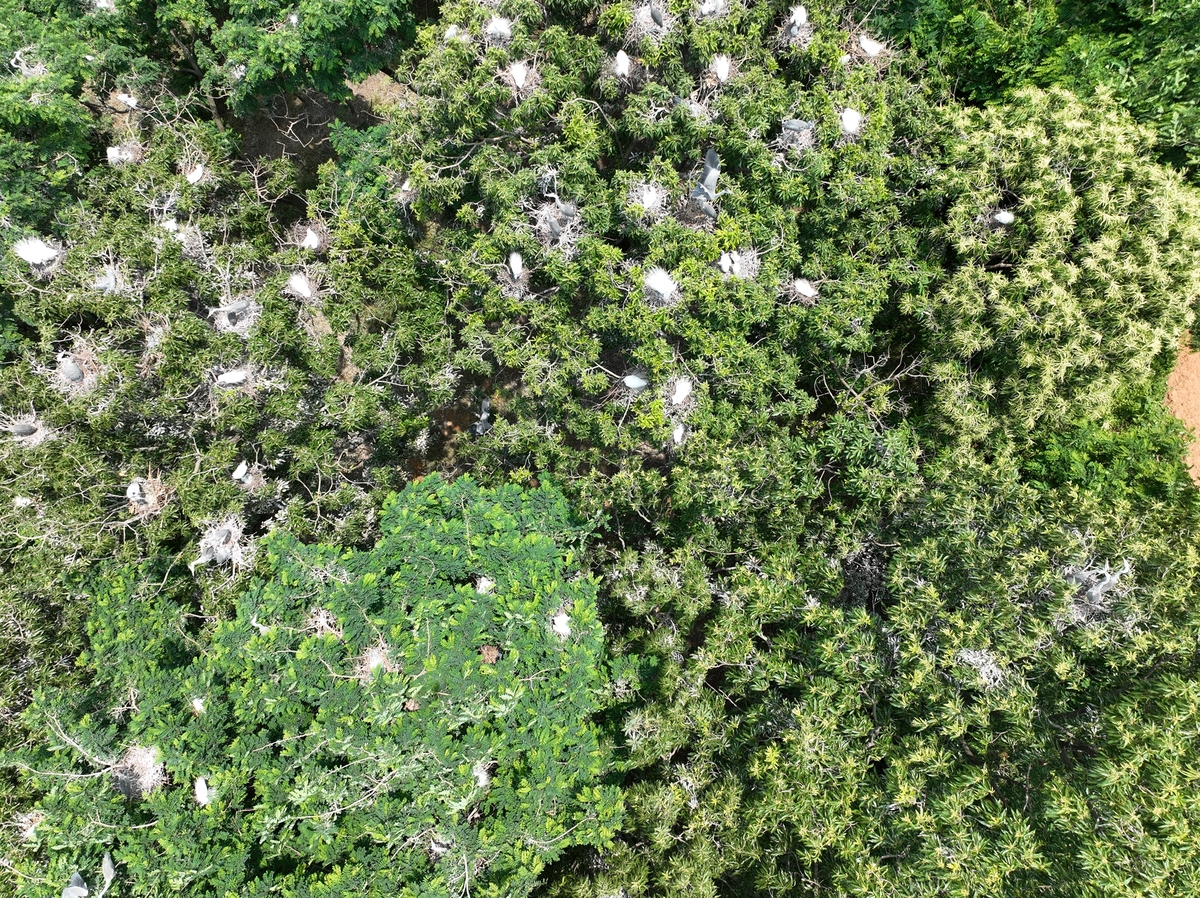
(27, 431)
(623, 69)
(109, 280)
(128, 152)
(373, 658)
(514, 276)
(740, 264)
(322, 622)
(139, 772)
(650, 20)
(156, 327)
(146, 496)
(222, 543)
(238, 316)
(557, 225)
(795, 135)
(646, 202)
(709, 10)
(76, 372)
(659, 289)
(696, 213)
(866, 49)
(498, 32)
(44, 257)
(311, 236)
(800, 291)
(521, 78)
(302, 286)
(721, 69)
(795, 32)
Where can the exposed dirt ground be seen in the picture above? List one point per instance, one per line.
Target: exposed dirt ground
(1183, 399)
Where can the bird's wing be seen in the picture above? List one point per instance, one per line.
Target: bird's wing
(712, 168)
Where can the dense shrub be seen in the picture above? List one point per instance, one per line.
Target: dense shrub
(412, 719)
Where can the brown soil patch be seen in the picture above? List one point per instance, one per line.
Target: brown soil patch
(377, 92)
(1183, 399)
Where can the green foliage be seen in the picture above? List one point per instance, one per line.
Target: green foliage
(375, 722)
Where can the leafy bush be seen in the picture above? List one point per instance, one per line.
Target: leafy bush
(412, 719)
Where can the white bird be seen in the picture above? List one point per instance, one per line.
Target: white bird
(797, 19)
(451, 33)
(678, 434)
(1003, 217)
(121, 155)
(197, 706)
(651, 197)
(805, 288)
(241, 472)
(683, 389)
(234, 378)
(499, 28)
(129, 100)
(562, 624)
(482, 773)
(516, 266)
(34, 250)
(871, 47)
(622, 65)
(484, 585)
(135, 493)
(519, 73)
(635, 382)
(708, 7)
(706, 187)
(851, 121)
(312, 240)
(203, 796)
(721, 66)
(300, 285)
(731, 264)
(659, 283)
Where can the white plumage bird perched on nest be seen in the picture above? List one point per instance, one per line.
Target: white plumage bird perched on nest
(35, 251)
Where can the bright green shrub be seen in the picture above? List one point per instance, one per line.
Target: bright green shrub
(411, 719)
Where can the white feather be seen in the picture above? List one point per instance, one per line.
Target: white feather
(499, 28)
(34, 250)
(451, 33)
(483, 776)
(622, 64)
(678, 434)
(197, 706)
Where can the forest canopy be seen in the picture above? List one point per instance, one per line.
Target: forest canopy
(660, 449)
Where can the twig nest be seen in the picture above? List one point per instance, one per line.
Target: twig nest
(146, 496)
(697, 212)
(482, 771)
(796, 134)
(870, 48)
(498, 32)
(26, 431)
(521, 78)
(648, 201)
(1001, 218)
(851, 122)
(659, 289)
(126, 153)
(651, 20)
(221, 543)
(405, 194)
(248, 476)
(635, 381)
(720, 69)
(711, 9)
(203, 795)
(742, 264)
(558, 225)
(301, 285)
(560, 623)
(622, 68)
(28, 823)
(514, 276)
(796, 30)
(311, 236)
(40, 255)
(139, 772)
(373, 658)
(76, 373)
(485, 585)
(800, 290)
(238, 316)
(109, 280)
